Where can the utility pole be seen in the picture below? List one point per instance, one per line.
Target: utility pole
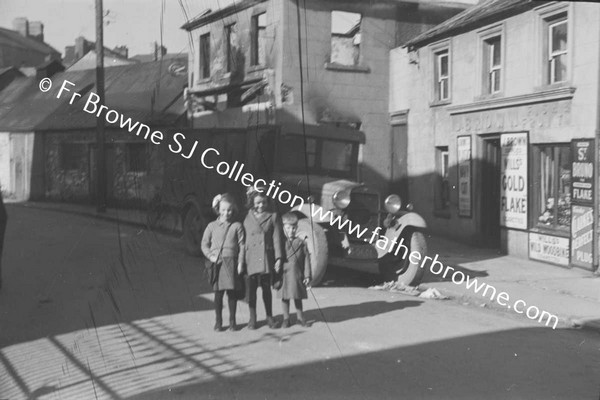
(100, 143)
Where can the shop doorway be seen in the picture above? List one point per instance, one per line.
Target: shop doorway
(490, 192)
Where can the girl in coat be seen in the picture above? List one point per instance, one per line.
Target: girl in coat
(296, 271)
(223, 243)
(263, 253)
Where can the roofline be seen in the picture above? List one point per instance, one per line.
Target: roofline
(219, 14)
(423, 39)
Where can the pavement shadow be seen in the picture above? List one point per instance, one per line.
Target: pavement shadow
(470, 273)
(336, 276)
(355, 311)
(528, 363)
(87, 273)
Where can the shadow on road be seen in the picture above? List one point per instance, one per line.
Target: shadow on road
(361, 310)
(530, 363)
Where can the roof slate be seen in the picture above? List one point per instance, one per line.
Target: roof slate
(485, 12)
(13, 38)
(146, 92)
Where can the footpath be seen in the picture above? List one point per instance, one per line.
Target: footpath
(573, 295)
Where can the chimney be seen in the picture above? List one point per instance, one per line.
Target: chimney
(36, 30)
(122, 50)
(21, 25)
(80, 47)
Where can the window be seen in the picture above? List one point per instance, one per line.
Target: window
(73, 156)
(258, 36)
(345, 38)
(442, 184)
(442, 76)
(205, 56)
(324, 156)
(492, 65)
(137, 157)
(557, 50)
(553, 180)
(229, 47)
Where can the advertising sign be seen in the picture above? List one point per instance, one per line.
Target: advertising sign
(464, 175)
(548, 248)
(582, 236)
(513, 180)
(582, 172)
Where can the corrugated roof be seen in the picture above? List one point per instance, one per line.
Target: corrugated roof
(13, 38)
(486, 12)
(146, 92)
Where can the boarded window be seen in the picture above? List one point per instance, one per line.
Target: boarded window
(73, 156)
(137, 157)
(345, 37)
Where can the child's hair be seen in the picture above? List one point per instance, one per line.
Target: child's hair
(289, 219)
(252, 194)
(226, 197)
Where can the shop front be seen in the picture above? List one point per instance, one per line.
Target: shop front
(527, 180)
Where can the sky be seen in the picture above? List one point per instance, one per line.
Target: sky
(134, 23)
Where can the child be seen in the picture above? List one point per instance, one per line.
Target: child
(296, 270)
(223, 243)
(263, 253)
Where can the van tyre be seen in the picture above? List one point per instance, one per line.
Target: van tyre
(193, 229)
(402, 270)
(316, 242)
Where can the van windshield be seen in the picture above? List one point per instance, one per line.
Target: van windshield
(319, 156)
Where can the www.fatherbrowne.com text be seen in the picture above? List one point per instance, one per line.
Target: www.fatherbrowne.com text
(273, 190)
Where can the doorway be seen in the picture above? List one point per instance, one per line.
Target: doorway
(490, 192)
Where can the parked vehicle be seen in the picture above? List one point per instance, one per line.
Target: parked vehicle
(319, 165)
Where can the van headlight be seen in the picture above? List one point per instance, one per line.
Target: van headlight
(393, 204)
(341, 199)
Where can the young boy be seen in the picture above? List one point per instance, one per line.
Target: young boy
(296, 270)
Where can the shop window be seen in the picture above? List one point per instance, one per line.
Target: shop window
(137, 157)
(229, 47)
(442, 75)
(556, 49)
(73, 156)
(442, 183)
(345, 38)
(552, 200)
(492, 61)
(205, 56)
(258, 38)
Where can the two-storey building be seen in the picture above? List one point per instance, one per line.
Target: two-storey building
(501, 106)
(308, 67)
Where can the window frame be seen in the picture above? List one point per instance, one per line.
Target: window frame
(255, 29)
(493, 69)
(547, 15)
(485, 59)
(204, 56)
(535, 210)
(436, 50)
(441, 195)
(357, 59)
(440, 78)
(228, 31)
(551, 54)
